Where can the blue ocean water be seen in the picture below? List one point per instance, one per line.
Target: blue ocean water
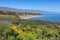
(48, 17)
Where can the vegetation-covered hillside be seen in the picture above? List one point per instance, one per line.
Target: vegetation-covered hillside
(13, 28)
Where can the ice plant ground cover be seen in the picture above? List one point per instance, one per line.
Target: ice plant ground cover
(28, 33)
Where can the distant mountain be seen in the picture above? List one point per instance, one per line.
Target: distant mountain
(19, 10)
(25, 10)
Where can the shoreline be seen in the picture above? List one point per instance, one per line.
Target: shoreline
(30, 16)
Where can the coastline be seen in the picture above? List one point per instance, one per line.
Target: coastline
(30, 16)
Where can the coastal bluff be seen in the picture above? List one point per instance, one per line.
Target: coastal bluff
(22, 15)
(27, 15)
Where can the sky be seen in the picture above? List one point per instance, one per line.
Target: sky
(45, 5)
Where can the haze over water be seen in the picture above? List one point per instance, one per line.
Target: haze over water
(48, 17)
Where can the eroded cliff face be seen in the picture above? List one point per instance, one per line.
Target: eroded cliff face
(28, 16)
(22, 15)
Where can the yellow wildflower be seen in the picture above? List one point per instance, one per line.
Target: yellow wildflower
(34, 35)
(24, 33)
(15, 30)
(27, 28)
(19, 31)
(39, 30)
(13, 27)
(30, 34)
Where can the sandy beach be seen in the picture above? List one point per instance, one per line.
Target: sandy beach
(29, 16)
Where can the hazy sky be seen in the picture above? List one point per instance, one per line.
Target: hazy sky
(47, 5)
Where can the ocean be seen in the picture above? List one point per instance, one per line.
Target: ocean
(48, 17)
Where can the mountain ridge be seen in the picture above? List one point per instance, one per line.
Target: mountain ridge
(25, 10)
(18, 10)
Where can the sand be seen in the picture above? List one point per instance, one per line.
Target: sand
(29, 16)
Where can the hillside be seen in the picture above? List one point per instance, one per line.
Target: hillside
(14, 28)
